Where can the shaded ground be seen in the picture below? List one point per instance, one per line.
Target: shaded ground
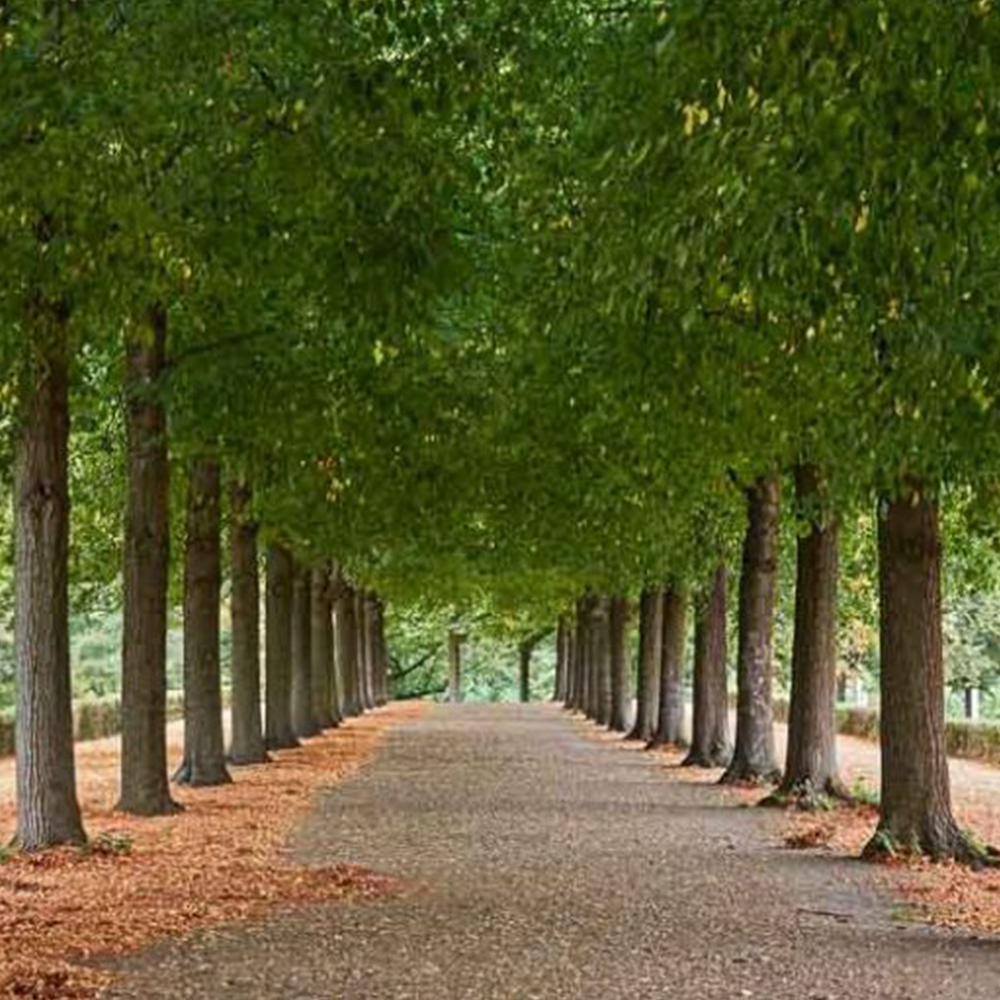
(557, 868)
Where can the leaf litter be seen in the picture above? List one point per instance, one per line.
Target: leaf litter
(140, 881)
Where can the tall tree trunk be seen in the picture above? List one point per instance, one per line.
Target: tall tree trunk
(372, 647)
(754, 757)
(48, 813)
(204, 746)
(592, 706)
(145, 784)
(248, 734)
(524, 655)
(916, 816)
(710, 745)
(321, 646)
(582, 666)
(347, 651)
(811, 763)
(647, 714)
(562, 661)
(670, 728)
(621, 695)
(278, 732)
(304, 722)
(571, 663)
(602, 650)
(455, 693)
(361, 616)
(375, 648)
(336, 683)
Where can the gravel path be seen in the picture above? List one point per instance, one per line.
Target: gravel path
(558, 867)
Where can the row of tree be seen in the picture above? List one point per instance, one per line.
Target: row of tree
(326, 657)
(503, 305)
(594, 674)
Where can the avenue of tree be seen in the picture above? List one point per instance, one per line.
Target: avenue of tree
(566, 310)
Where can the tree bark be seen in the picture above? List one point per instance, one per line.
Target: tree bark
(48, 813)
(336, 684)
(562, 661)
(321, 645)
(582, 671)
(650, 654)
(916, 816)
(248, 734)
(204, 761)
(145, 784)
(811, 763)
(710, 745)
(278, 733)
(602, 651)
(364, 666)
(379, 656)
(670, 728)
(455, 693)
(621, 695)
(754, 756)
(372, 647)
(347, 651)
(304, 721)
(524, 654)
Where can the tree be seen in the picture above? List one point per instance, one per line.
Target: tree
(710, 744)
(145, 789)
(279, 733)
(650, 665)
(811, 766)
(248, 731)
(754, 756)
(48, 813)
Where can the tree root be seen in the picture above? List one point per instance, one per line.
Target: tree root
(750, 777)
(962, 846)
(188, 776)
(709, 759)
(806, 797)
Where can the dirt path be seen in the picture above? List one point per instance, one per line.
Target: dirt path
(555, 867)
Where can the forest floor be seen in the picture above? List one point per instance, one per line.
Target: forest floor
(139, 881)
(543, 864)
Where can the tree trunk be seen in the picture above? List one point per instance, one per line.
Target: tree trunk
(378, 651)
(455, 694)
(336, 684)
(48, 813)
(811, 764)
(602, 650)
(582, 671)
(571, 661)
(204, 746)
(916, 816)
(248, 735)
(304, 721)
(321, 645)
(562, 661)
(347, 651)
(621, 695)
(525, 652)
(670, 728)
(361, 615)
(372, 647)
(754, 757)
(647, 714)
(710, 746)
(278, 733)
(145, 784)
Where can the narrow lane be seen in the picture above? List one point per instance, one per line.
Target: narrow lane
(556, 867)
